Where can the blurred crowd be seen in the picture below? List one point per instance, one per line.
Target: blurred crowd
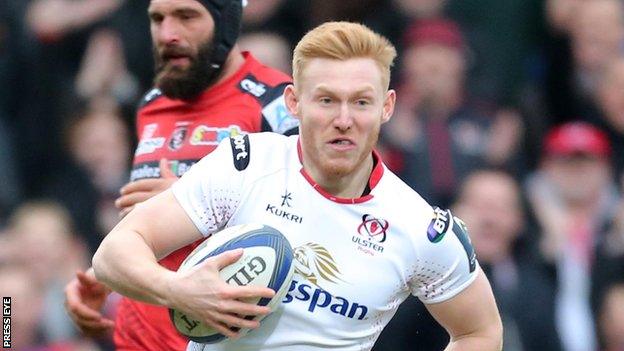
(510, 112)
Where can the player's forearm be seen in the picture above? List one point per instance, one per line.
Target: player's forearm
(126, 264)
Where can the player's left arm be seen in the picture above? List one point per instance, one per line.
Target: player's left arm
(471, 318)
(454, 288)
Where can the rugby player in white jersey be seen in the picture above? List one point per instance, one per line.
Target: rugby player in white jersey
(363, 240)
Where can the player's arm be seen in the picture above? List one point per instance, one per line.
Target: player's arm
(455, 290)
(471, 318)
(127, 262)
(127, 258)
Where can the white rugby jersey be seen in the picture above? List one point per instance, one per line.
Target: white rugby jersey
(356, 260)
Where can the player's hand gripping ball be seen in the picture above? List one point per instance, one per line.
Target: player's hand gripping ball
(267, 261)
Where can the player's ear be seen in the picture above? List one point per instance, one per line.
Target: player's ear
(388, 106)
(291, 99)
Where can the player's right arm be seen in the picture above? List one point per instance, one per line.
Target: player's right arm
(127, 258)
(126, 261)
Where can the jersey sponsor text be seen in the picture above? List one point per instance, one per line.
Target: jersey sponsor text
(319, 298)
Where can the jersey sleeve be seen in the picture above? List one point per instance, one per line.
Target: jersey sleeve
(446, 261)
(211, 190)
(275, 115)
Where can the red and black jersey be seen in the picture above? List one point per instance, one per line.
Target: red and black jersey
(183, 132)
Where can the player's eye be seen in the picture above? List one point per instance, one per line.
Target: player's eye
(362, 102)
(186, 15)
(325, 100)
(156, 18)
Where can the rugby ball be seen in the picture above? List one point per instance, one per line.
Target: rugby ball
(267, 261)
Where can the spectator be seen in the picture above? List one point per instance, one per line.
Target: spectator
(97, 142)
(42, 238)
(490, 204)
(402, 13)
(50, 45)
(103, 70)
(587, 35)
(573, 197)
(436, 136)
(133, 28)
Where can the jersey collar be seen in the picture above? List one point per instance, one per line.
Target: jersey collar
(373, 180)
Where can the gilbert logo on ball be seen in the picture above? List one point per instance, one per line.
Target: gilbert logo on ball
(267, 261)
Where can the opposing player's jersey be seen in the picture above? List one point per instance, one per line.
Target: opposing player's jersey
(249, 101)
(356, 259)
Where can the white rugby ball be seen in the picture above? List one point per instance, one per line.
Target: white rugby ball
(267, 261)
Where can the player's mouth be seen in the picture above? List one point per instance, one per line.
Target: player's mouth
(177, 60)
(342, 144)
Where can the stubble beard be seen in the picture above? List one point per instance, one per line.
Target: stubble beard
(340, 169)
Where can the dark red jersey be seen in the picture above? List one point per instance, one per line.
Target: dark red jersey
(183, 132)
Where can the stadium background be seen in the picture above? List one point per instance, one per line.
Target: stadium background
(481, 84)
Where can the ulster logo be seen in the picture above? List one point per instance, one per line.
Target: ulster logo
(373, 228)
(372, 234)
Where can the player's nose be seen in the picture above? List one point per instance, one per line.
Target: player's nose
(343, 119)
(168, 31)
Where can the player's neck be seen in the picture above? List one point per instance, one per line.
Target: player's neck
(347, 186)
(233, 63)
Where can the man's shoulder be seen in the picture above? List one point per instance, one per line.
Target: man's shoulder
(266, 86)
(262, 82)
(150, 97)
